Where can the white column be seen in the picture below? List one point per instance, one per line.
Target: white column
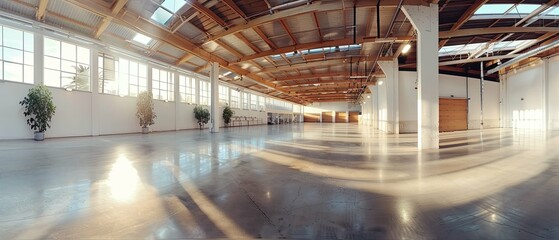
(38, 55)
(374, 107)
(94, 92)
(214, 108)
(426, 22)
(178, 99)
(390, 69)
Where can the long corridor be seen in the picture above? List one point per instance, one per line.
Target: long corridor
(327, 181)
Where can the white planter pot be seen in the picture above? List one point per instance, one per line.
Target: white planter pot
(39, 136)
(145, 130)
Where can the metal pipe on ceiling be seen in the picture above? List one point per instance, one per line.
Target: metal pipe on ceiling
(525, 55)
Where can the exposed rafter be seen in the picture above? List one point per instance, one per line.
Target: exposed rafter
(115, 9)
(144, 26)
(262, 35)
(315, 6)
(41, 10)
(207, 12)
(184, 58)
(286, 28)
(235, 9)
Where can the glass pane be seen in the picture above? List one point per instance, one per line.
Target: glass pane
(133, 68)
(13, 55)
(68, 51)
(493, 9)
(143, 70)
(161, 16)
(83, 55)
(13, 72)
(13, 38)
(52, 47)
(28, 74)
(68, 66)
(52, 78)
(67, 79)
(28, 41)
(28, 58)
(143, 82)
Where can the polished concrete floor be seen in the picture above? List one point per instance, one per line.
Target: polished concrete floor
(326, 181)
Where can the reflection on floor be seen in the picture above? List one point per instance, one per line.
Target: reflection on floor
(292, 181)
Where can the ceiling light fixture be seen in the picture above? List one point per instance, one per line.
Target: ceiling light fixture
(406, 48)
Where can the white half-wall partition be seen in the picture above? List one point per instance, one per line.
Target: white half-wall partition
(320, 107)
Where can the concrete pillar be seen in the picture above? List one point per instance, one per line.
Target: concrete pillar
(425, 20)
(390, 69)
(214, 101)
(374, 107)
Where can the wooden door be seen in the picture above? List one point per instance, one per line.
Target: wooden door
(327, 117)
(453, 114)
(311, 117)
(341, 117)
(353, 117)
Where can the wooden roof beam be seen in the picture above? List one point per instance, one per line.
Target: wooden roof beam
(184, 58)
(317, 26)
(229, 48)
(286, 28)
(314, 6)
(464, 18)
(262, 35)
(146, 27)
(115, 9)
(41, 10)
(242, 37)
(235, 9)
(207, 12)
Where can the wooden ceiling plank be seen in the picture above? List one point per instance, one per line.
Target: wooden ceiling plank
(207, 12)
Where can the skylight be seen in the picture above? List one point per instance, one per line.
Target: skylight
(525, 8)
(165, 12)
(493, 9)
(554, 11)
(467, 49)
(143, 39)
(341, 48)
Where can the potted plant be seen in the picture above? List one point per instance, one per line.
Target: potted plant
(39, 109)
(227, 114)
(81, 80)
(202, 115)
(145, 112)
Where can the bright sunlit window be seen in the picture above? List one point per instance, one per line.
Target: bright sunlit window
(187, 89)
(120, 76)
(474, 47)
(162, 84)
(66, 65)
(245, 100)
(16, 55)
(205, 94)
(223, 95)
(235, 98)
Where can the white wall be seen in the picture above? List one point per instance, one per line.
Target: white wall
(74, 115)
(448, 86)
(530, 96)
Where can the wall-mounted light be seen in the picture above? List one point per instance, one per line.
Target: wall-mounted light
(69, 89)
(380, 83)
(406, 48)
(368, 96)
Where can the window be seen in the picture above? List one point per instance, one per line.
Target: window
(245, 100)
(162, 84)
(187, 89)
(235, 98)
(66, 65)
(120, 76)
(16, 55)
(223, 95)
(261, 103)
(253, 102)
(165, 12)
(204, 93)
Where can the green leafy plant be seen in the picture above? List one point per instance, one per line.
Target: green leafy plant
(227, 114)
(39, 108)
(202, 115)
(145, 112)
(81, 80)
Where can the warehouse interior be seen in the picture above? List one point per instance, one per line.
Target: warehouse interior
(351, 119)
